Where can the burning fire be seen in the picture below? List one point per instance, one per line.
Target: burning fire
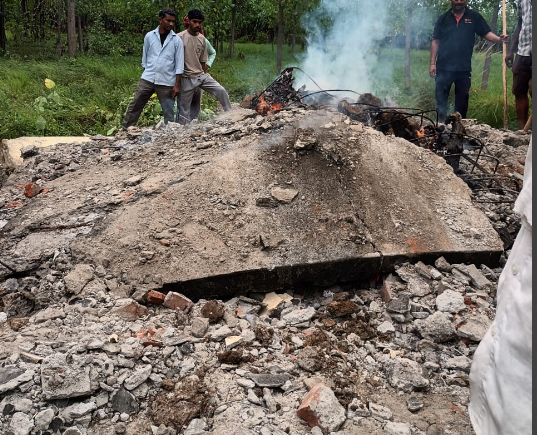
(421, 133)
(265, 108)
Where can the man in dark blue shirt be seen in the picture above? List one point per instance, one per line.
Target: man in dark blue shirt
(451, 54)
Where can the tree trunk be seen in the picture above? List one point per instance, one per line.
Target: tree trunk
(26, 13)
(233, 24)
(80, 37)
(279, 56)
(3, 38)
(407, 47)
(490, 48)
(71, 28)
(59, 30)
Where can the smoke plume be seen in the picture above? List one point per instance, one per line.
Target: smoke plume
(344, 38)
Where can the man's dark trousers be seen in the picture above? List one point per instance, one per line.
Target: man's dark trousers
(143, 94)
(444, 81)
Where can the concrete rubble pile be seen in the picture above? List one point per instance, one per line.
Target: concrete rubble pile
(95, 342)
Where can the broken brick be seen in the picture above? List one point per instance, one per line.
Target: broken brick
(14, 204)
(156, 298)
(31, 190)
(177, 301)
(320, 408)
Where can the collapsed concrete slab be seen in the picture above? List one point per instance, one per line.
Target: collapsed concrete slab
(10, 149)
(241, 204)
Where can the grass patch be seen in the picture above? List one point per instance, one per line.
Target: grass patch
(92, 93)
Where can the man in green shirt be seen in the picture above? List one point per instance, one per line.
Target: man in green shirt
(195, 107)
(195, 76)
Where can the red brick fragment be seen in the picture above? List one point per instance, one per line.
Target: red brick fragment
(14, 204)
(164, 242)
(156, 298)
(320, 408)
(152, 343)
(31, 190)
(177, 301)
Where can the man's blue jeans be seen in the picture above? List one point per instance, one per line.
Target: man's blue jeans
(444, 81)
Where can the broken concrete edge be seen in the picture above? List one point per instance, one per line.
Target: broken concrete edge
(10, 148)
(316, 274)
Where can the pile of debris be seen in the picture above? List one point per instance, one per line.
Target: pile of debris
(97, 341)
(344, 359)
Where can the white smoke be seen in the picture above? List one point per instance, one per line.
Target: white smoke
(344, 45)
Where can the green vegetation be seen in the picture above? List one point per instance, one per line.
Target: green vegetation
(92, 92)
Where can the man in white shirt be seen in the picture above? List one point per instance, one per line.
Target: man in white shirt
(163, 63)
(195, 75)
(501, 380)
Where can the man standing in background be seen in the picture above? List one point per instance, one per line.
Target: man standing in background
(195, 75)
(522, 68)
(451, 54)
(163, 63)
(195, 107)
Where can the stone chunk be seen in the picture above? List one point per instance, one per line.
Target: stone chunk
(77, 410)
(221, 333)
(177, 301)
(478, 280)
(443, 266)
(49, 314)
(386, 328)
(196, 427)
(459, 363)
(398, 429)
(43, 419)
(11, 377)
(270, 381)
(437, 328)
(285, 196)
(414, 404)
(124, 402)
(20, 424)
(474, 328)
(61, 379)
(450, 302)
(138, 378)
(401, 305)
(131, 312)
(199, 327)
(379, 412)
(406, 375)
(296, 317)
(320, 408)
(78, 278)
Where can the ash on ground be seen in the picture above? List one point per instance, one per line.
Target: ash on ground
(83, 352)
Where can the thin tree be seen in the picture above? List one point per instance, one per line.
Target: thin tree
(59, 30)
(408, 46)
(71, 28)
(233, 29)
(490, 48)
(3, 38)
(80, 36)
(279, 56)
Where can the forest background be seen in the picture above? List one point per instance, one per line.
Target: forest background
(70, 67)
